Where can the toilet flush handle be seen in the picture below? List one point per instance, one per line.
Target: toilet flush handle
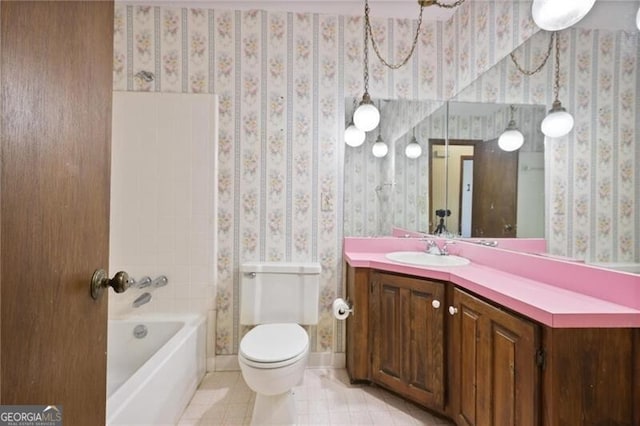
(250, 274)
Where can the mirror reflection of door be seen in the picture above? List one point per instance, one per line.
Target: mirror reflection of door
(489, 208)
(466, 195)
(445, 184)
(495, 177)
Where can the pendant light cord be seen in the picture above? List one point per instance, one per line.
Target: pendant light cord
(556, 86)
(542, 64)
(366, 50)
(369, 30)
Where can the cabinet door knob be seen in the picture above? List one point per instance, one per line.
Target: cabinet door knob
(453, 310)
(435, 304)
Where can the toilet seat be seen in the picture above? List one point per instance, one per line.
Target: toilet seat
(274, 345)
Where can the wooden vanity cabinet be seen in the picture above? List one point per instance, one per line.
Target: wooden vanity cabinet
(591, 376)
(358, 360)
(493, 364)
(483, 365)
(407, 336)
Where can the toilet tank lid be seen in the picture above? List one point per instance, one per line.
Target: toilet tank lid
(281, 267)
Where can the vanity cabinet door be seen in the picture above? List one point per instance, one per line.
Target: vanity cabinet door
(407, 337)
(493, 358)
(358, 357)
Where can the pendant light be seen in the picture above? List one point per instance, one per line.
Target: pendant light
(511, 139)
(379, 149)
(555, 15)
(413, 150)
(638, 19)
(558, 121)
(366, 117)
(353, 136)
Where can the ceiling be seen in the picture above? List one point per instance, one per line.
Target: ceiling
(606, 14)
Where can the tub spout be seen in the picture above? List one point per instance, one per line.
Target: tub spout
(142, 299)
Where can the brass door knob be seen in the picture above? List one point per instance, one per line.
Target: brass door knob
(100, 281)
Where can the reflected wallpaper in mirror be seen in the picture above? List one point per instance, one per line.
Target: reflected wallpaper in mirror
(401, 192)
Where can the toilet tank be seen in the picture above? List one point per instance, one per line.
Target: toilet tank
(279, 292)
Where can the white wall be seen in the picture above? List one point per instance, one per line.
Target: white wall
(163, 220)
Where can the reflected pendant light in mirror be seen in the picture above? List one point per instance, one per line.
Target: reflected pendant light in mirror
(511, 139)
(413, 150)
(379, 149)
(353, 136)
(554, 15)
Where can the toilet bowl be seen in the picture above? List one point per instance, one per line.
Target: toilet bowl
(272, 359)
(276, 298)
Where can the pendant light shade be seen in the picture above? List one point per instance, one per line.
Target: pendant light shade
(511, 139)
(558, 121)
(413, 150)
(638, 19)
(555, 15)
(366, 117)
(353, 136)
(379, 149)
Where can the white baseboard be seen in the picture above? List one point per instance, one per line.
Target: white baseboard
(316, 360)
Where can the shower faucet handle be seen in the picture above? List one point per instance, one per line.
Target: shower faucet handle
(144, 282)
(161, 281)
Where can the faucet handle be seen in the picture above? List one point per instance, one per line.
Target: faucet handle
(445, 247)
(144, 282)
(433, 248)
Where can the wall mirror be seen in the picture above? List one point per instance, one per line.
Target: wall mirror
(463, 183)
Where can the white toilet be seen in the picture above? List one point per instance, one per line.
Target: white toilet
(277, 298)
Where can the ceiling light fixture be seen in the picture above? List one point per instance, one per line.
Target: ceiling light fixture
(555, 15)
(511, 139)
(423, 4)
(558, 121)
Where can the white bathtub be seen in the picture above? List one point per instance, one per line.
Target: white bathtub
(151, 380)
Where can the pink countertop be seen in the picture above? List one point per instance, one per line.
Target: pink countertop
(553, 292)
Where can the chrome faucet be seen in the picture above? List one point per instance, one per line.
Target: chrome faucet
(432, 248)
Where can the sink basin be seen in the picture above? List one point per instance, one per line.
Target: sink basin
(421, 258)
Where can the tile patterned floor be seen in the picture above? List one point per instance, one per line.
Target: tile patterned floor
(325, 398)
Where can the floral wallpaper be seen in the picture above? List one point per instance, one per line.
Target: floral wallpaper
(593, 185)
(282, 80)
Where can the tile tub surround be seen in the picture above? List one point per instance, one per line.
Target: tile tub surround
(553, 292)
